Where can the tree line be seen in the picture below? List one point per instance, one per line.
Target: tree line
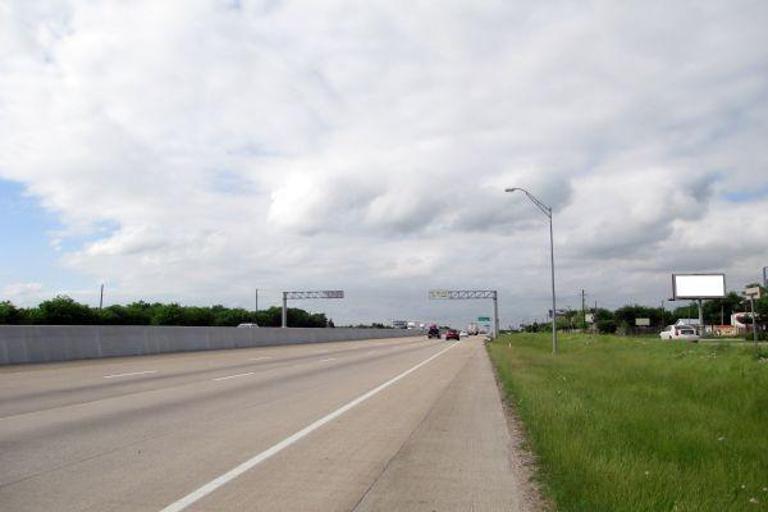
(622, 320)
(63, 310)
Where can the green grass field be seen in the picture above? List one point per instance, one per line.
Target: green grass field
(636, 424)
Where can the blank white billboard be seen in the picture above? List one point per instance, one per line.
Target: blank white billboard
(698, 286)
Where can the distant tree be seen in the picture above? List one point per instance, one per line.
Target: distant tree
(112, 315)
(197, 316)
(719, 311)
(626, 316)
(232, 317)
(167, 314)
(563, 323)
(604, 320)
(317, 320)
(606, 326)
(761, 310)
(10, 314)
(63, 310)
(138, 313)
(535, 327)
(689, 311)
(271, 317)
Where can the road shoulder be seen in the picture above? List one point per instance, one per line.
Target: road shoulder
(461, 457)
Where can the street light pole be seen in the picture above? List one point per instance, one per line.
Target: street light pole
(546, 210)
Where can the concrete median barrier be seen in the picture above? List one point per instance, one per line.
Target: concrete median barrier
(49, 343)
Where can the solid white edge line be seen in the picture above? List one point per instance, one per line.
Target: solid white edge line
(230, 475)
(234, 376)
(129, 374)
(329, 359)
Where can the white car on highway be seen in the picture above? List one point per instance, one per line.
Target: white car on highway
(679, 332)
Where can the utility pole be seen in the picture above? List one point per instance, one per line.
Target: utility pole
(662, 313)
(584, 308)
(754, 320)
(285, 310)
(256, 301)
(752, 294)
(101, 297)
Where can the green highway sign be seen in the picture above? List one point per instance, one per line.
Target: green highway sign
(483, 319)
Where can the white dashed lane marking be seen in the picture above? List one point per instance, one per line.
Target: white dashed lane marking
(131, 374)
(234, 376)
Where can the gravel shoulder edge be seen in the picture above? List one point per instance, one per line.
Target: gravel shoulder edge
(523, 461)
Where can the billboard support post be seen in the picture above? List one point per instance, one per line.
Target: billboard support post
(702, 331)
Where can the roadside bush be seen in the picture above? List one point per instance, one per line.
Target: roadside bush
(606, 326)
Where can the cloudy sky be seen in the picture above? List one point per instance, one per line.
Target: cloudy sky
(195, 150)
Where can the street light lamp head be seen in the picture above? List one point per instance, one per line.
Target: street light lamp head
(511, 189)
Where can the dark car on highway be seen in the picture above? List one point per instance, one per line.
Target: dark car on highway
(433, 332)
(452, 334)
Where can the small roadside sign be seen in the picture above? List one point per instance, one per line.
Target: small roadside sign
(753, 292)
(642, 322)
(483, 319)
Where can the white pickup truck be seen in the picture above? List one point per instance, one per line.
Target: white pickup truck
(679, 332)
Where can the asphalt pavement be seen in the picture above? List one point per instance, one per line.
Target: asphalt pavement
(395, 424)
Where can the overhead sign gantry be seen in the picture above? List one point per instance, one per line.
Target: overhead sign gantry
(322, 294)
(470, 295)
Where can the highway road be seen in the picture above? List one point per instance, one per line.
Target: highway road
(395, 424)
